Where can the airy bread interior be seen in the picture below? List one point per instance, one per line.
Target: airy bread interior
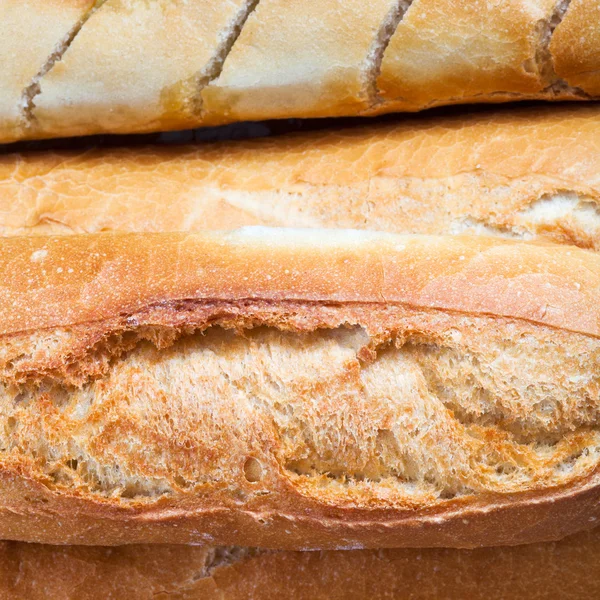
(363, 406)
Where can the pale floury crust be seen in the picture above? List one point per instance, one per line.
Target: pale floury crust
(135, 66)
(356, 389)
(449, 53)
(321, 72)
(220, 62)
(31, 32)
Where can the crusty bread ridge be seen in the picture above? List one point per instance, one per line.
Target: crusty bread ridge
(575, 46)
(311, 389)
(122, 70)
(567, 569)
(525, 174)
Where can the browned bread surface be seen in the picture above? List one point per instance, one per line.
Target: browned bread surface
(567, 569)
(297, 389)
(524, 174)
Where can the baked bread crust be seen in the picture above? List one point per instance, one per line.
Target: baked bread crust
(575, 46)
(523, 173)
(449, 53)
(550, 285)
(31, 32)
(567, 569)
(123, 71)
(193, 388)
(319, 69)
(135, 67)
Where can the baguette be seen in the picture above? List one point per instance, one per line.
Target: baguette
(524, 174)
(297, 390)
(567, 569)
(136, 66)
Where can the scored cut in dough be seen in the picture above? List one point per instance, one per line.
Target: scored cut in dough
(31, 31)
(300, 59)
(447, 52)
(137, 66)
(575, 46)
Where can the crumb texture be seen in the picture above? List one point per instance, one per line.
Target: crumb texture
(411, 410)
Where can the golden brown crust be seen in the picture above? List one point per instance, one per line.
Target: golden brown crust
(65, 573)
(567, 569)
(524, 173)
(51, 282)
(64, 519)
(127, 447)
(575, 46)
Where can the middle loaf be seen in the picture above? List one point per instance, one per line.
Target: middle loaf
(523, 174)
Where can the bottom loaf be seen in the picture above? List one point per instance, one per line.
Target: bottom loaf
(566, 569)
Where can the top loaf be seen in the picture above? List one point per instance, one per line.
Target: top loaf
(79, 67)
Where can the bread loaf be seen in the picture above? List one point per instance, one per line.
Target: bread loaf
(567, 569)
(311, 389)
(132, 65)
(524, 174)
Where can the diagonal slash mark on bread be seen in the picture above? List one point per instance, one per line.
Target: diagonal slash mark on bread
(378, 48)
(532, 72)
(529, 68)
(27, 105)
(228, 38)
(180, 95)
(543, 58)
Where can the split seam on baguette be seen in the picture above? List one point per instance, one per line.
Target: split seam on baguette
(544, 59)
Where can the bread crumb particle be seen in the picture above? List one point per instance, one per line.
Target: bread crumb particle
(39, 255)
